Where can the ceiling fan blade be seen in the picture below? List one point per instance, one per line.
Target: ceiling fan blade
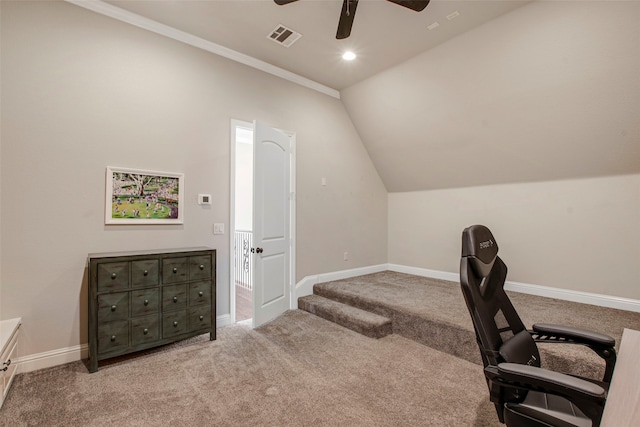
(346, 18)
(416, 5)
(282, 2)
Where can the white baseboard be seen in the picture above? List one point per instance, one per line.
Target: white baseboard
(223, 320)
(305, 286)
(609, 301)
(425, 272)
(48, 359)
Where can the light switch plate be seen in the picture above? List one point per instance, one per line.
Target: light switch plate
(218, 228)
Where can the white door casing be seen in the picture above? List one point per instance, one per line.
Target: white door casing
(271, 224)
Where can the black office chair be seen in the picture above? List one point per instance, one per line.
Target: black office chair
(525, 394)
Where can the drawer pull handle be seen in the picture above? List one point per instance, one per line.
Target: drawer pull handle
(113, 308)
(145, 331)
(200, 293)
(146, 302)
(113, 338)
(175, 299)
(201, 317)
(7, 363)
(175, 269)
(175, 324)
(146, 272)
(201, 266)
(113, 276)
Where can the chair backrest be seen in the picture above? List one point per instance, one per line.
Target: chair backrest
(501, 335)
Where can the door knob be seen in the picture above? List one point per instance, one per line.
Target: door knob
(259, 250)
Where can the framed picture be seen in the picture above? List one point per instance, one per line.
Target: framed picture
(143, 197)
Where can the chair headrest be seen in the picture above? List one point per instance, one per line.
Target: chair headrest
(481, 249)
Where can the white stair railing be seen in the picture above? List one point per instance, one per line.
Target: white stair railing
(243, 243)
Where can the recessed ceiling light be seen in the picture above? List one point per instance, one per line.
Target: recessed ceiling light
(433, 26)
(348, 56)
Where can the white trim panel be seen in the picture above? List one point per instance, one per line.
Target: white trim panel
(114, 12)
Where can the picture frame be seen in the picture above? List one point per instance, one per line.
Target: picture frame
(135, 196)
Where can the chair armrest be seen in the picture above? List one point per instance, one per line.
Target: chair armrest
(603, 345)
(544, 380)
(582, 336)
(587, 396)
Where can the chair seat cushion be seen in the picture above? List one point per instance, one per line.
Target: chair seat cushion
(542, 409)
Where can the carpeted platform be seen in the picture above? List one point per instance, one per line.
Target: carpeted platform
(433, 312)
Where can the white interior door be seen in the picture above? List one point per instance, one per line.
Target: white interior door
(271, 223)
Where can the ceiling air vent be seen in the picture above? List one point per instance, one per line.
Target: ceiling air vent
(284, 36)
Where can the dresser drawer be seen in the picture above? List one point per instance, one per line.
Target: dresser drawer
(113, 276)
(144, 301)
(144, 329)
(199, 293)
(199, 318)
(113, 336)
(174, 270)
(174, 297)
(144, 273)
(174, 323)
(113, 306)
(199, 267)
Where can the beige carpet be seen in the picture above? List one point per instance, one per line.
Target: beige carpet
(299, 370)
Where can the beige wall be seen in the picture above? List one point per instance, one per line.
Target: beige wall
(529, 124)
(1, 317)
(81, 91)
(580, 235)
(244, 186)
(548, 91)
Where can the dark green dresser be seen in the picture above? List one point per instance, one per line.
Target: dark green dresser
(139, 300)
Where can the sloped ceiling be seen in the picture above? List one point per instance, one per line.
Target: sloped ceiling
(384, 34)
(508, 92)
(549, 91)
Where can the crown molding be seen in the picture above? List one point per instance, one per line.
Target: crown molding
(181, 36)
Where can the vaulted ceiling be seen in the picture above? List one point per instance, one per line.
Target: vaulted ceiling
(493, 93)
(384, 34)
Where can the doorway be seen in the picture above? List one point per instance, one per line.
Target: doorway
(243, 224)
(262, 241)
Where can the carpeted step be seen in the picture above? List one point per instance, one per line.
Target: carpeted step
(363, 322)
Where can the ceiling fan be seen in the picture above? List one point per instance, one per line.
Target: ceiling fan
(349, 11)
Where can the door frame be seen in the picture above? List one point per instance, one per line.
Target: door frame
(232, 216)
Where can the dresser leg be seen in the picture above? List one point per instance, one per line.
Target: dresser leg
(93, 365)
